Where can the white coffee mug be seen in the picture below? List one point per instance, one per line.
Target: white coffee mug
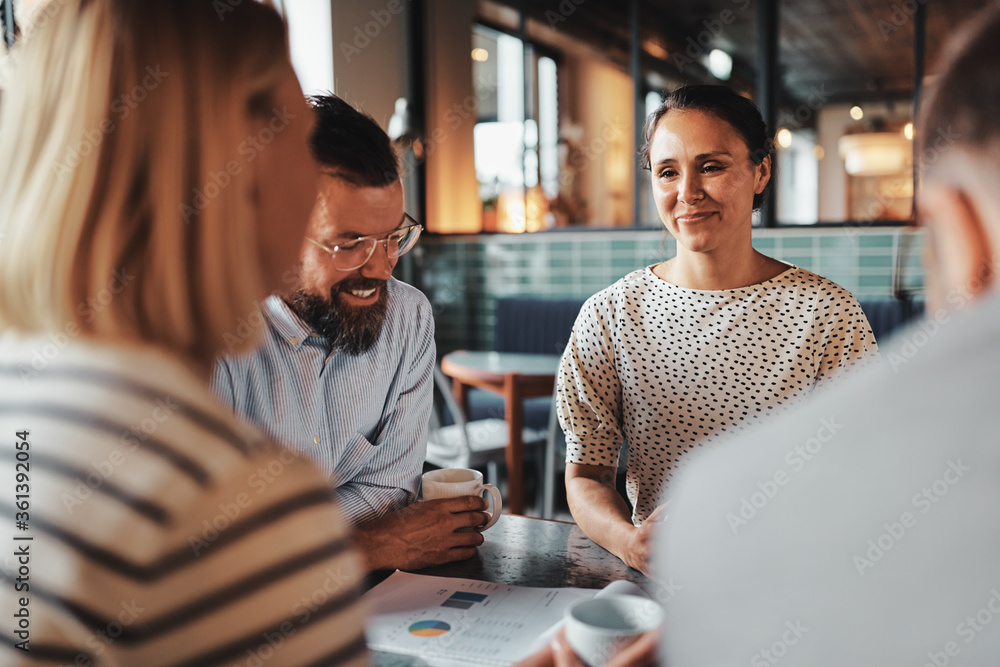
(456, 482)
(599, 628)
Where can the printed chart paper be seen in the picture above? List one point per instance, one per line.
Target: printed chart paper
(442, 619)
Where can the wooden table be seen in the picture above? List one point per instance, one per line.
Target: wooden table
(524, 551)
(515, 377)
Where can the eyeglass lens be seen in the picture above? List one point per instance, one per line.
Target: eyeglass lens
(355, 254)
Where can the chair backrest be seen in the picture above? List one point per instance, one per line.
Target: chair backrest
(443, 397)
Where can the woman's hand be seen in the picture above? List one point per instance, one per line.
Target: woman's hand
(557, 653)
(605, 517)
(637, 552)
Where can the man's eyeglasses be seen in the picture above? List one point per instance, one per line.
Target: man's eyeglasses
(355, 253)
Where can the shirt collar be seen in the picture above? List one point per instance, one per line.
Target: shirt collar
(288, 325)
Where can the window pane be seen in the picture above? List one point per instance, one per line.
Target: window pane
(516, 157)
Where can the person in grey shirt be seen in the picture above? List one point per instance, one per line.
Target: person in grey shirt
(345, 371)
(862, 528)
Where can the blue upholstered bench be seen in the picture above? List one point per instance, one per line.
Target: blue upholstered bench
(543, 326)
(886, 317)
(533, 326)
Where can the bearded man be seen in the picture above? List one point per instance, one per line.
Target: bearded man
(345, 372)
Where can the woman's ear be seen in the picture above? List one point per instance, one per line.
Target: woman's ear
(959, 257)
(763, 175)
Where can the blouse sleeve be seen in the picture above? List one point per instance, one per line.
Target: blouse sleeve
(588, 395)
(846, 341)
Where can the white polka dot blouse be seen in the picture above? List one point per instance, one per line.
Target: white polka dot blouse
(666, 368)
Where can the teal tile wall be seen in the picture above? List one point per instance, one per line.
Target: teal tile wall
(464, 276)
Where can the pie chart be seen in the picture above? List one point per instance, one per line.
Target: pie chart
(429, 628)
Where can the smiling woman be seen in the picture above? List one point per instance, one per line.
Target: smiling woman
(710, 159)
(677, 354)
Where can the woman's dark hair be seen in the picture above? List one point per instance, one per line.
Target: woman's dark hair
(725, 104)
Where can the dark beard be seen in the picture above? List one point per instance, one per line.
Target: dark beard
(353, 329)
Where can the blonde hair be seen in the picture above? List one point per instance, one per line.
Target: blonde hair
(123, 213)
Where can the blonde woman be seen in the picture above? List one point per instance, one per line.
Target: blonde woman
(155, 183)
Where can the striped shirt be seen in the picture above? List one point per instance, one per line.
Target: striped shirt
(162, 531)
(362, 418)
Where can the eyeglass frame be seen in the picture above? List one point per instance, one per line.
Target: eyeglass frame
(384, 241)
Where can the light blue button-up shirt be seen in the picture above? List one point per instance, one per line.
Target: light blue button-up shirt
(362, 418)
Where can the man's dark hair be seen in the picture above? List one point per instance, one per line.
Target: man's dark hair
(725, 104)
(350, 145)
(960, 108)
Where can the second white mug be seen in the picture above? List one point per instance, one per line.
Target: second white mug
(599, 628)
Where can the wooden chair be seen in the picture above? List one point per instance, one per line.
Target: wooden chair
(479, 444)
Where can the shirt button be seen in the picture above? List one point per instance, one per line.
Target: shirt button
(316, 439)
(295, 341)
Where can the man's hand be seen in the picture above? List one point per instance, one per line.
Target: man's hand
(423, 534)
(637, 551)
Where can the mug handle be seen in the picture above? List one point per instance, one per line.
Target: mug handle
(497, 504)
